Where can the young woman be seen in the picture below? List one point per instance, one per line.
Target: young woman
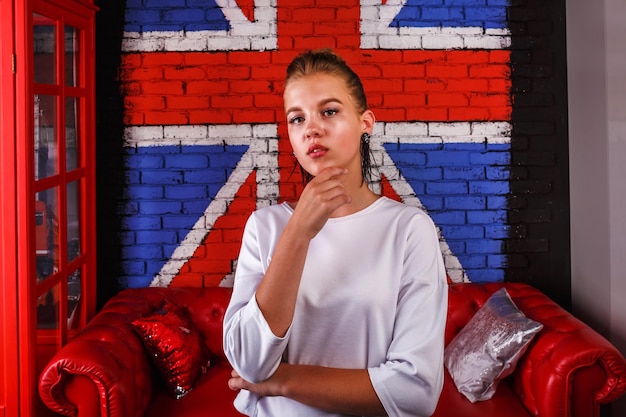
(339, 301)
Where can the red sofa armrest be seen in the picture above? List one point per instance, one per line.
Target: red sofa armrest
(104, 370)
(569, 370)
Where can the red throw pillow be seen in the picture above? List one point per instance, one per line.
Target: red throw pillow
(174, 346)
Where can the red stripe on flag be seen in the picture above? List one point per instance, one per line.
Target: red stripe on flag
(212, 260)
(387, 190)
(247, 8)
(202, 88)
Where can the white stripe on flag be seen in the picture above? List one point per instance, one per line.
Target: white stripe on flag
(377, 32)
(244, 35)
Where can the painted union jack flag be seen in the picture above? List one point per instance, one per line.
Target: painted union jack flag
(206, 141)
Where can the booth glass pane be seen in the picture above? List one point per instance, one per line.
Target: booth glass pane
(73, 220)
(48, 309)
(71, 56)
(73, 298)
(44, 47)
(47, 233)
(45, 131)
(71, 133)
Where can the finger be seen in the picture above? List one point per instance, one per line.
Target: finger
(325, 190)
(328, 180)
(331, 172)
(235, 384)
(322, 198)
(335, 196)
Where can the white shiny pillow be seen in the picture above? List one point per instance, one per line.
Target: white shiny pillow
(487, 349)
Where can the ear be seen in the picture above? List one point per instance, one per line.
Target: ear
(367, 121)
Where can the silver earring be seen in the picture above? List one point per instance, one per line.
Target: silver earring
(365, 137)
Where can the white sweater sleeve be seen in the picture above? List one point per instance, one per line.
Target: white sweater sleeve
(409, 382)
(249, 344)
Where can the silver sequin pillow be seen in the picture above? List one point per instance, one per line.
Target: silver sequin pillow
(487, 349)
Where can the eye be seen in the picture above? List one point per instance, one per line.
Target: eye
(296, 120)
(330, 112)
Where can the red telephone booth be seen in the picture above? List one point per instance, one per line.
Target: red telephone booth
(47, 188)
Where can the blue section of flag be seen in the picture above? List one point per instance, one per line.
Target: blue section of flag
(174, 15)
(168, 190)
(452, 13)
(463, 187)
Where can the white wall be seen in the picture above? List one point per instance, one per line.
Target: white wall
(597, 139)
(616, 87)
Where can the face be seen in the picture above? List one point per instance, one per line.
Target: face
(324, 125)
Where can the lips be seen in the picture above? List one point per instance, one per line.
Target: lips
(315, 151)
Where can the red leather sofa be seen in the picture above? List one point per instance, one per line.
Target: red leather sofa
(568, 370)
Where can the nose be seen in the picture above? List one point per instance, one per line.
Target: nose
(313, 128)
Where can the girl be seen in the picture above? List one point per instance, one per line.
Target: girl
(339, 301)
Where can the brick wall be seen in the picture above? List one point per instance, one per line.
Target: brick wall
(538, 246)
(199, 135)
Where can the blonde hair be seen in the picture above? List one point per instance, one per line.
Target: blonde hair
(328, 62)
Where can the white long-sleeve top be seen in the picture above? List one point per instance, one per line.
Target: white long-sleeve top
(373, 296)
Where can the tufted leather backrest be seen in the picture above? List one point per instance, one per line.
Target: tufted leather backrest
(206, 308)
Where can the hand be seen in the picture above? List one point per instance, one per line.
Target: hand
(271, 387)
(321, 197)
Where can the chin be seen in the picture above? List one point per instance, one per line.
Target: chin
(312, 170)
